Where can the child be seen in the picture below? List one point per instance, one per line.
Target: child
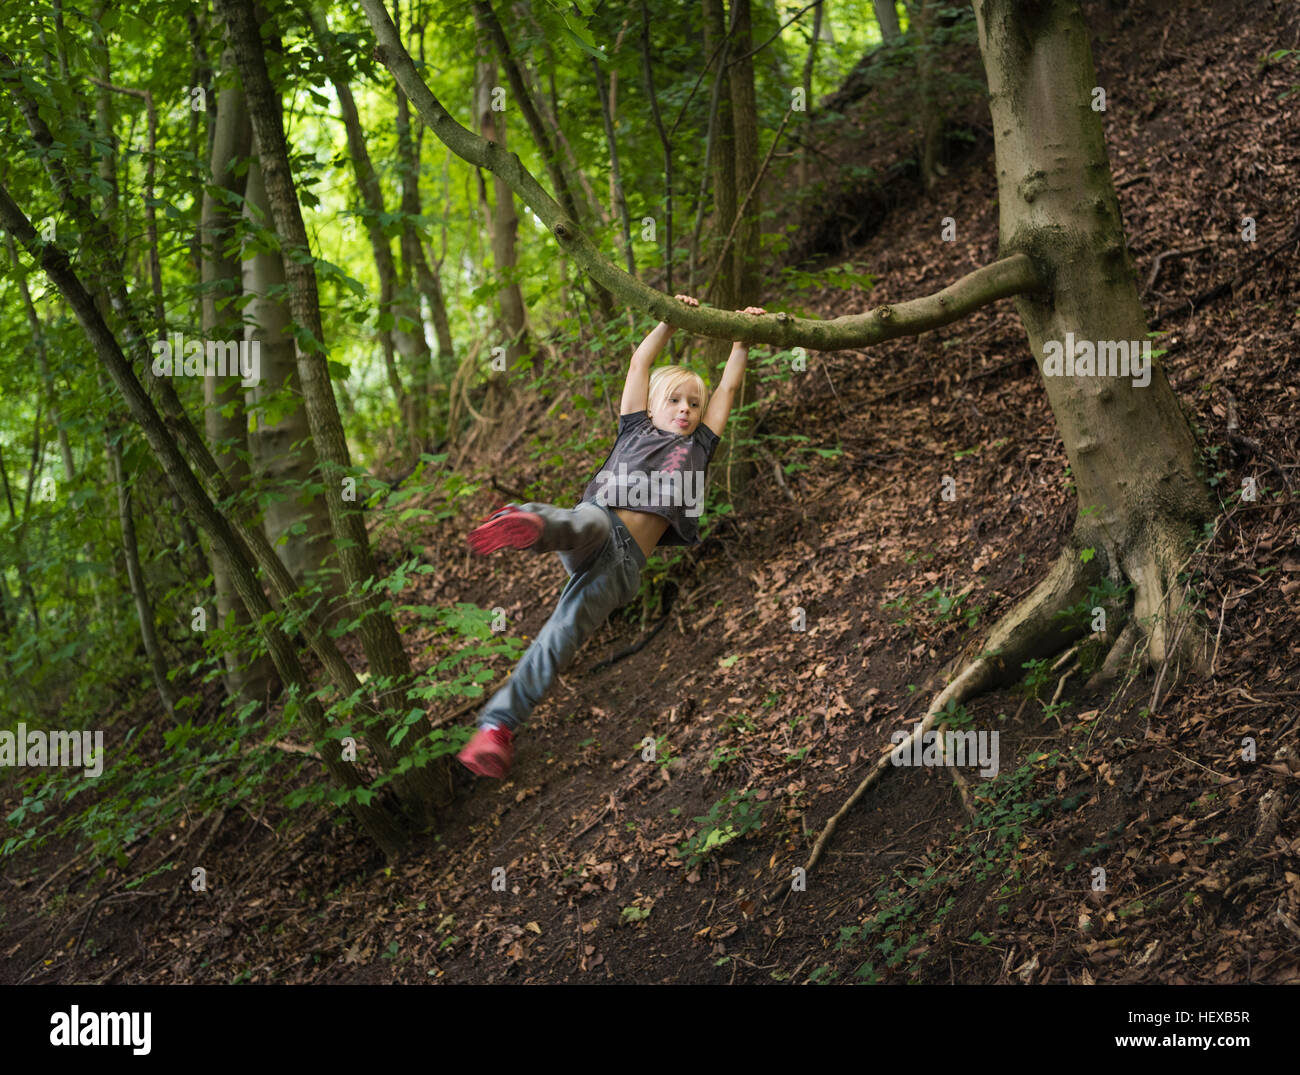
(649, 492)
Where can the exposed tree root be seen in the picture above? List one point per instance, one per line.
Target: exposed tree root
(1118, 656)
(1028, 631)
(1160, 630)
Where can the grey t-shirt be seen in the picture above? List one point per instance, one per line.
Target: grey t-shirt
(652, 470)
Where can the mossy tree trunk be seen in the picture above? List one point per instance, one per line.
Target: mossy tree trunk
(1142, 495)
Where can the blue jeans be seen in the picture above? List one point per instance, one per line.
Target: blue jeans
(604, 564)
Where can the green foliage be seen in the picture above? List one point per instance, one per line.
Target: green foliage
(843, 277)
(1038, 674)
(947, 609)
(730, 818)
(231, 759)
(1276, 57)
(910, 908)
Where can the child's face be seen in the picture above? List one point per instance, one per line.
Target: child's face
(679, 411)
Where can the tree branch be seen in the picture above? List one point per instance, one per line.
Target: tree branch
(1010, 276)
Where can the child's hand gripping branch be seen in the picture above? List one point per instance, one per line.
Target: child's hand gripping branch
(648, 492)
(733, 376)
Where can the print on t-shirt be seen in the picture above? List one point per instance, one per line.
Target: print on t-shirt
(652, 470)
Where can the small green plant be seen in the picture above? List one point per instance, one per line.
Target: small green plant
(947, 608)
(634, 914)
(730, 818)
(722, 756)
(899, 604)
(1038, 672)
(741, 721)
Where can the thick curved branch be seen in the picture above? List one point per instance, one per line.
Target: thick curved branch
(1010, 276)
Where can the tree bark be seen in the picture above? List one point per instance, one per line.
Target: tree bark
(411, 340)
(415, 264)
(745, 266)
(886, 19)
(1141, 490)
(379, 637)
(615, 175)
(722, 169)
(746, 222)
(135, 578)
(486, 20)
(504, 225)
(647, 74)
(19, 534)
(931, 121)
(281, 445)
(809, 63)
(224, 419)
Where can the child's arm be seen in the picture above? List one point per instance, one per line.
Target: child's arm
(636, 390)
(733, 376)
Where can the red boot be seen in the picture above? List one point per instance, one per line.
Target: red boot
(508, 527)
(489, 752)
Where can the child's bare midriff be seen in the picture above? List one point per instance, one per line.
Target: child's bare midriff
(645, 527)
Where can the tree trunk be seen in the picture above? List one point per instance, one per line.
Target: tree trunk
(372, 198)
(722, 168)
(1142, 494)
(410, 338)
(281, 444)
(383, 646)
(415, 265)
(504, 224)
(488, 24)
(743, 198)
(647, 75)
(47, 377)
(887, 19)
(618, 199)
(806, 125)
(930, 119)
(224, 419)
(20, 530)
(744, 106)
(411, 787)
(135, 577)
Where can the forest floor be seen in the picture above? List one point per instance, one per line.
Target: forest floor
(1200, 848)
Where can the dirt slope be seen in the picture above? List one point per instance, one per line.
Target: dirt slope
(1200, 848)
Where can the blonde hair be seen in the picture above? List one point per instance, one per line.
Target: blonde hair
(666, 378)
